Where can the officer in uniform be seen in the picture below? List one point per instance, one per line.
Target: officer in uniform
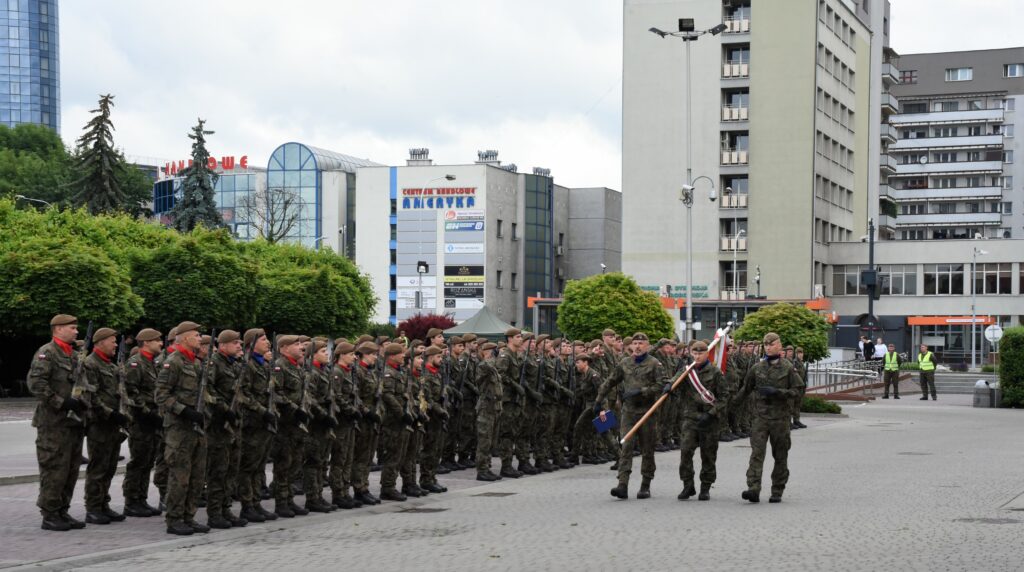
(398, 421)
(774, 382)
(320, 439)
(488, 411)
(58, 436)
(223, 435)
(259, 423)
(369, 390)
(177, 395)
(467, 405)
(288, 379)
(926, 360)
(509, 364)
(350, 425)
(703, 409)
(642, 378)
(146, 431)
(588, 382)
(437, 420)
(104, 426)
(891, 362)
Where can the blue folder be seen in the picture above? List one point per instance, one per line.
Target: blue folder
(611, 422)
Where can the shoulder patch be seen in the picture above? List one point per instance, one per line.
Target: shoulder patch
(41, 356)
(277, 368)
(133, 364)
(167, 366)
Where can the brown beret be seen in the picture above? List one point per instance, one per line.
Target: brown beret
(488, 346)
(303, 338)
(339, 341)
(283, 341)
(393, 349)
(627, 340)
(147, 335)
(228, 336)
(382, 339)
(640, 336)
(415, 344)
(584, 357)
(512, 332)
(318, 345)
(252, 334)
(433, 351)
(770, 337)
(186, 327)
(469, 338)
(608, 332)
(63, 320)
(455, 340)
(368, 348)
(432, 332)
(102, 334)
(698, 346)
(343, 348)
(363, 338)
(205, 339)
(542, 337)
(172, 334)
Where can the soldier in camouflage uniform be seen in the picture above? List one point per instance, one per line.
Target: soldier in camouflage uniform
(367, 386)
(58, 438)
(160, 468)
(588, 382)
(509, 364)
(436, 425)
(319, 440)
(147, 424)
(398, 420)
(702, 413)
(258, 425)
(468, 394)
(104, 426)
(488, 411)
(288, 378)
(774, 382)
(801, 369)
(177, 395)
(350, 426)
(642, 378)
(224, 433)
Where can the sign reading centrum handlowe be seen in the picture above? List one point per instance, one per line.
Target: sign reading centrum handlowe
(439, 198)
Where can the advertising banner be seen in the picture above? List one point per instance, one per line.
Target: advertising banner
(464, 248)
(459, 226)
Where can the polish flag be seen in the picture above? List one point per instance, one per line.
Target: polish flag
(720, 353)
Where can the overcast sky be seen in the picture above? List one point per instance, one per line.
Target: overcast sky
(540, 81)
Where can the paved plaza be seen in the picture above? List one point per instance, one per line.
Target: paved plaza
(898, 485)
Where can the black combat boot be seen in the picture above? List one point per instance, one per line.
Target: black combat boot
(196, 527)
(135, 509)
(776, 497)
(218, 521)
(688, 491)
(315, 505)
(96, 518)
(510, 473)
(364, 497)
(74, 522)
(112, 514)
(235, 520)
(621, 491)
(266, 513)
(392, 494)
(542, 465)
(344, 502)
(528, 469)
(250, 514)
(179, 528)
(56, 523)
(645, 489)
(298, 510)
(705, 492)
(283, 510)
(412, 490)
(486, 476)
(751, 495)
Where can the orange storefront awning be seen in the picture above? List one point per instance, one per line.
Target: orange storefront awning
(949, 320)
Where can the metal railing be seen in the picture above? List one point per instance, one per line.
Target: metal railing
(843, 376)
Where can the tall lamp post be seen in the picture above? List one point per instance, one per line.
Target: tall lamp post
(974, 289)
(30, 199)
(688, 34)
(735, 273)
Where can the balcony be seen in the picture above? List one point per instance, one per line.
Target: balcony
(890, 74)
(889, 134)
(890, 104)
(887, 164)
(734, 157)
(736, 70)
(731, 294)
(737, 26)
(958, 193)
(958, 168)
(949, 117)
(734, 201)
(962, 142)
(950, 219)
(730, 242)
(734, 113)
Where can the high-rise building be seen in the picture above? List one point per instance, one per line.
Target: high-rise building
(784, 124)
(29, 63)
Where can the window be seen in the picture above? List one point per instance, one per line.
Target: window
(991, 278)
(974, 130)
(913, 235)
(946, 183)
(1007, 104)
(948, 105)
(943, 279)
(974, 207)
(975, 104)
(1013, 70)
(898, 280)
(1007, 156)
(1007, 207)
(515, 282)
(912, 209)
(515, 231)
(959, 74)
(908, 76)
(944, 132)
(500, 230)
(943, 157)
(1007, 182)
(498, 279)
(1008, 130)
(1007, 233)
(946, 208)
(561, 239)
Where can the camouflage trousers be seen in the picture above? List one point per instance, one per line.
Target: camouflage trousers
(143, 444)
(222, 458)
(362, 455)
(430, 454)
(316, 453)
(254, 448)
(287, 453)
(553, 435)
(59, 453)
(104, 442)
(185, 456)
(690, 439)
(394, 439)
(412, 456)
(466, 423)
(486, 437)
(340, 476)
(797, 402)
(160, 469)
(511, 439)
(645, 438)
(762, 432)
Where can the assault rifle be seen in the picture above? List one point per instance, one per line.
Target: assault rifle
(81, 389)
(204, 370)
(522, 373)
(237, 390)
(332, 404)
(271, 401)
(124, 403)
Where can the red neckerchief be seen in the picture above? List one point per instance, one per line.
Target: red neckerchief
(345, 367)
(294, 361)
(147, 355)
(364, 364)
(190, 355)
(101, 355)
(416, 373)
(318, 365)
(65, 347)
(394, 367)
(432, 369)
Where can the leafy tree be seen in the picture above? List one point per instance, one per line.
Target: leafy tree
(795, 324)
(99, 166)
(611, 301)
(378, 329)
(311, 301)
(34, 163)
(417, 326)
(196, 205)
(274, 213)
(1011, 367)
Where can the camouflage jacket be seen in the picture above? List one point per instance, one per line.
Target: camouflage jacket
(641, 378)
(488, 380)
(50, 379)
(177, 386)
(779, 374)
(101, 373)
(714, 381)
(140, 382)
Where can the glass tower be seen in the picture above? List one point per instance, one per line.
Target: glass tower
(29, 63)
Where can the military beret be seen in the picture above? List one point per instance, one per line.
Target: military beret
(681, 346)
(542, 337)
(363, 338)
(344, 348)
(488, 346)
(433, 332)
(512, 332)
(433, 351)
(770, 337)
(252, 334)
(63, 320)
(393, 349)
(469, 338)
(627, 340)
(205, 339)
(102, 334)
(186, 327)
(789, 348)
(320, 339)
(800, 349)
(455, 340)
(172, 334)
(339, 341)
(303, 338)
(317, 346)
(584, 357)
(556, 341)
(228, 336)
(698, 346)
(415, 344)
(640, 336)
(147, 335)
(368, 348)
(287, 340)
(382, 340)
(527, 335)
(608, 332)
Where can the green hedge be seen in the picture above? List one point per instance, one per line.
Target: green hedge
(1011, 367)
(815, 404)
(910, 366)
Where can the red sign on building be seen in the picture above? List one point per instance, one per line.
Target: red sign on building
(226, 164)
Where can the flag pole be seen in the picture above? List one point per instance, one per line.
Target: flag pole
(664, 396)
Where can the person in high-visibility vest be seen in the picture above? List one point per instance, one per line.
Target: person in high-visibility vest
(891, 361)
(926, 361)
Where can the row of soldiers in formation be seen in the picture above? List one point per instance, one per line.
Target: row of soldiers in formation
(205, 414)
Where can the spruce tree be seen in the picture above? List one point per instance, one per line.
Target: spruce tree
(99, 166)
(196, 206)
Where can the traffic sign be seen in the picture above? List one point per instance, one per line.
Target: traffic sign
(994, 333)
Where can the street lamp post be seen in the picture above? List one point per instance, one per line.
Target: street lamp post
(30, 199)
(317, 243)
(757, 280)
(735, 270)
(974, 290)
(688, 34)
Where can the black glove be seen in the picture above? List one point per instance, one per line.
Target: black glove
(372, 416)
(597, 409)
(704, 421)
(444, 415)
(72, 404)
(301, 416)
(356, 415)
(407, 418)
(422, 417)
(192, 415)
(153, 419)
(117, 418)
(630, 394)
(767, 391)
(667, 389)
(331, 422)
(230, 416)
(269, 417)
